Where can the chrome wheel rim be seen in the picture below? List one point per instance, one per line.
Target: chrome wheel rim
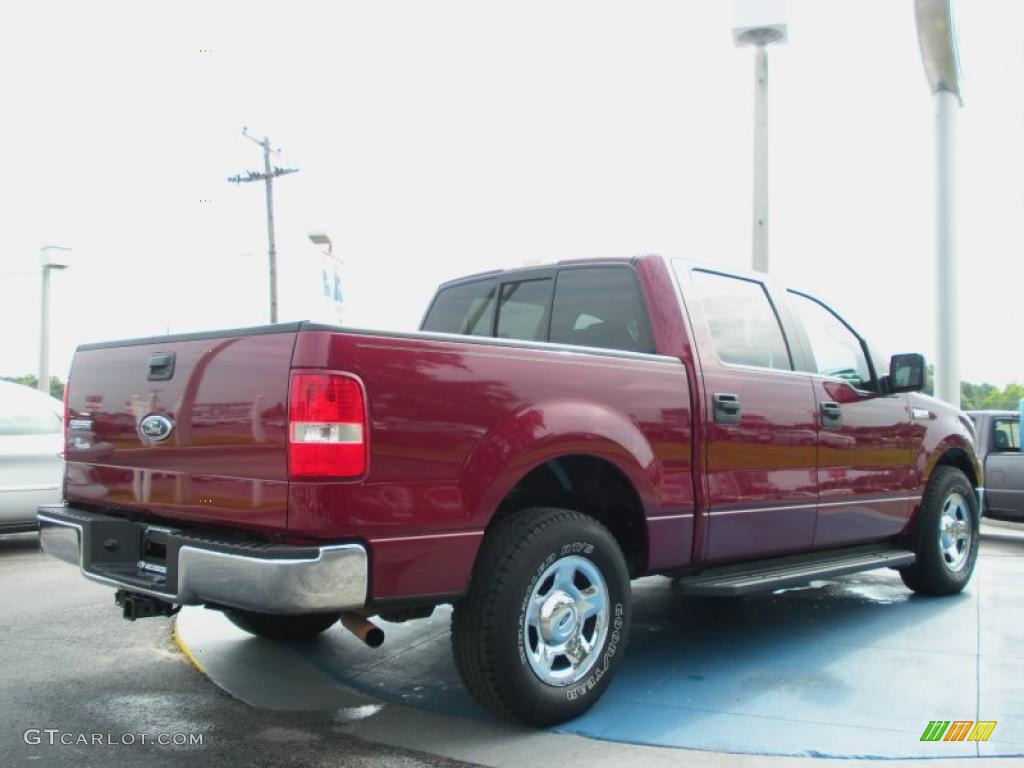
(566, 621)
(955, 531)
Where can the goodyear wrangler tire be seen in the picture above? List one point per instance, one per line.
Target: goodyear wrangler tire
(287, 629)
(545, 622)
(945, 535)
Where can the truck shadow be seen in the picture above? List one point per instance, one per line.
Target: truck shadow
(827, 652)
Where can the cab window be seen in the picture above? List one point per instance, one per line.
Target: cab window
(838, 352)
(466, 308)
(522, 312)
(742, 321)
(600, 307)
(1007, 435)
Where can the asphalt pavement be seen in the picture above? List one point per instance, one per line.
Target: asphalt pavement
(74, 670)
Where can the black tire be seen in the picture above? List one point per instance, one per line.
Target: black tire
(939, 569)
(287, 629)
(490, 636)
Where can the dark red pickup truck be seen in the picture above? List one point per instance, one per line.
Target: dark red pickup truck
(550, 434)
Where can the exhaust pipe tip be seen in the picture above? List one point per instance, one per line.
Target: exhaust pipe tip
(365, 630)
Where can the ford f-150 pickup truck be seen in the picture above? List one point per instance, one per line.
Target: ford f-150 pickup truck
(548, 435)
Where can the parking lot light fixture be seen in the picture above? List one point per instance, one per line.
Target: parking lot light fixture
(760, 23)
(936, 36)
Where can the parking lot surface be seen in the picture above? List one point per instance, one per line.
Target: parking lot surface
(70, 663)
(850, 668)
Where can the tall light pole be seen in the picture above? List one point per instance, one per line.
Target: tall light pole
(936, 36)
(268, 176)
(50, 257)
(760, 23)
(331, 286)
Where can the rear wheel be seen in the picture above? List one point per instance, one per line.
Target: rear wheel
(280, 627)
(945, 536)
(545, 622)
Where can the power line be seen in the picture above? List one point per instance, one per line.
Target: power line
(267, 176)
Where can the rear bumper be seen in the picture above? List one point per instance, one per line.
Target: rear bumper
(187, 568)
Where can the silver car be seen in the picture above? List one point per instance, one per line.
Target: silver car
(31, 447)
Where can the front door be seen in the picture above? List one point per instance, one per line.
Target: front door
(759, 431)
(865, 438)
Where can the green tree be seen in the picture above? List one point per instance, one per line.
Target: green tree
(30, 380)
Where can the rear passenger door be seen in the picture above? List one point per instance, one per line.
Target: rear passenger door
(760, 430)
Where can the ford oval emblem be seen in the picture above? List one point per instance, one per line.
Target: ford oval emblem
(156, 428)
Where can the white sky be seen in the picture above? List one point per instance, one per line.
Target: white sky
(437, 139)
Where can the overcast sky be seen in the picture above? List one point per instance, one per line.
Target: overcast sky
(442, 138)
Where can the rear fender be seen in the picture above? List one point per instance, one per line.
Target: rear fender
(547, 431)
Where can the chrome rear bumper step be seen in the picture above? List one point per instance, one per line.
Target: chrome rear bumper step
(794, 570)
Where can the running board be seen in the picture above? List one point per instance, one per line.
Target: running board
(794, 570)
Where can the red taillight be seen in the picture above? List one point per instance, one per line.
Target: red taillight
(326, 426)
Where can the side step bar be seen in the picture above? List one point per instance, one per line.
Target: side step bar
(794, 570)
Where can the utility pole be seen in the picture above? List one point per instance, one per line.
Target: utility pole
(268, 176)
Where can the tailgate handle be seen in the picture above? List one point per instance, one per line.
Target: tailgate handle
(161, 366)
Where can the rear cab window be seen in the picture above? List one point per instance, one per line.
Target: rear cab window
(589, 306)
(523, 310)
(600, 307)
(466, 308)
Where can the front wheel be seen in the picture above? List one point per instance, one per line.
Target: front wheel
(280, 627)
(945, 535)
(545, 622)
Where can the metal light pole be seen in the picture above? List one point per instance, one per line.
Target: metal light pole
(331, 290)
(936, 36)
(51, 257)
(268, 176)
(760, 24)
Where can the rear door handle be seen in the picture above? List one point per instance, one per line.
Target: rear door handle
(726, 408)
(831, 415)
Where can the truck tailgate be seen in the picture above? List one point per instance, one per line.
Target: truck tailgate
(186, 428)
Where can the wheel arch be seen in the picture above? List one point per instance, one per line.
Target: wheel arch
(589, 484)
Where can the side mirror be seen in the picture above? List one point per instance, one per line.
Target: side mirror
(906, 373)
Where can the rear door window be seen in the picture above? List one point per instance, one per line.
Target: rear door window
(600, 307)
(1007, 435)
(467, 308)
(742, 321)
(523, 311)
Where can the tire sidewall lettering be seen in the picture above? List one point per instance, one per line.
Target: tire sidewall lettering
(525, 604)
(583, 688)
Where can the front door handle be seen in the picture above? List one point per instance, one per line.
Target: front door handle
(831, 415)
(726, 408)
